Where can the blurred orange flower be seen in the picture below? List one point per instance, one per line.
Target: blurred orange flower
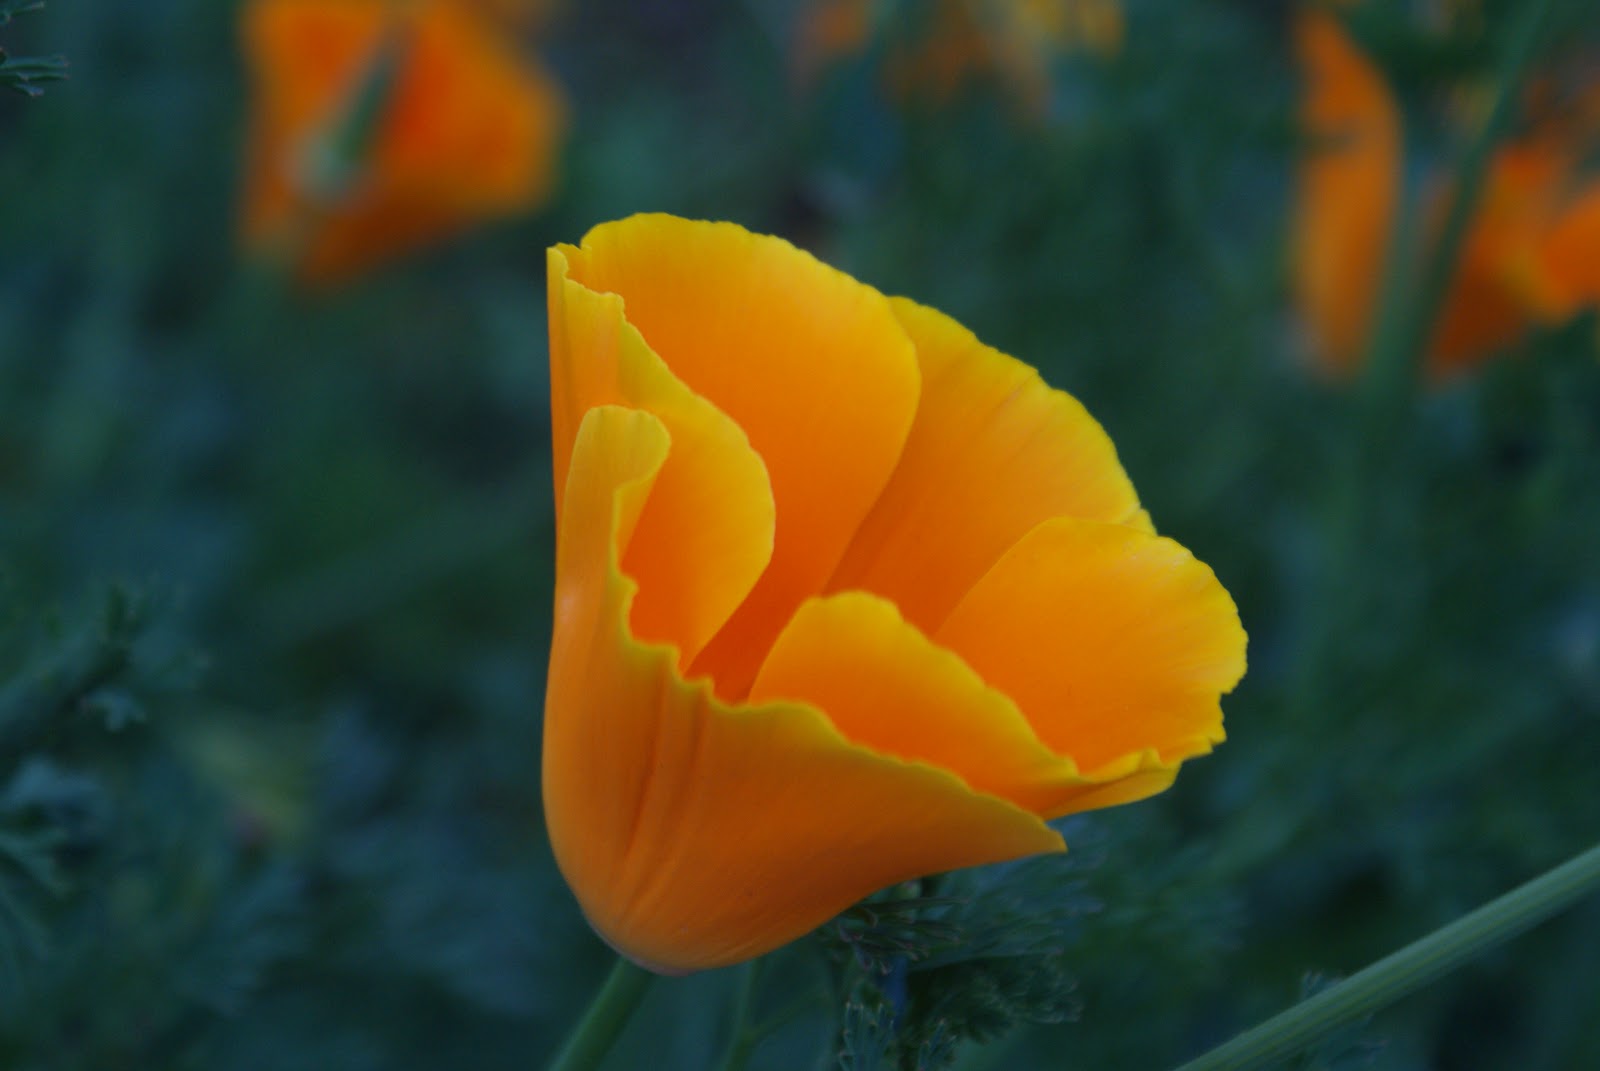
(1530, 255)
(843, 597)
(379, 126)
(1014, 42)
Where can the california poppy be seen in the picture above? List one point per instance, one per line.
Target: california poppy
(843, 597)
(1528, 256)
(378, 127)
(1012, 42)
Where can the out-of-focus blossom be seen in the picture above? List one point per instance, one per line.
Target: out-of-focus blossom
(378, 127)
(843, 597)
(1349, 187)
(1015, 43)
(1528, 257)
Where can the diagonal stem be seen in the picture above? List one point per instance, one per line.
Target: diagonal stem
(1377, 453)
(608, 1013)
(1405, 328)
(1414, 966)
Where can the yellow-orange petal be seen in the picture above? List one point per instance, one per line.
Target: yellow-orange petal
(1112, 641)
(993, 452)
(598, 757)
(809, 362)
(468, 131)
(886, 686)
(1349, 187)
(696, 833)
(706, 532)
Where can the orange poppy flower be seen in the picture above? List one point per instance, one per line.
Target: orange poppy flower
(379, 126)
(1014, 42)
(843, 597)
(1528, 256)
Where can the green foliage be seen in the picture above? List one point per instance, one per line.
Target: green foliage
(75, 677)
(30, 849)
(866, 1037)
(22, 74)
(973, 956)
(121, 864)
(283, 813)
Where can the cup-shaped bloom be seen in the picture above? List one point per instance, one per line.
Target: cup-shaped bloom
(378, 127)
(1528, 257)
(843, 597)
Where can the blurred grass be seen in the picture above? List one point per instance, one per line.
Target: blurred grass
(325, 851)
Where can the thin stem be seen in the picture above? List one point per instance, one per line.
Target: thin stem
(1414, 966)
(608, 1013)
(1398, 348)
(1413, 297)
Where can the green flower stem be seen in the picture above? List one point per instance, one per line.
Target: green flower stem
(1406, 326)
(1412, 967)
(739, 1054)
(608, 1013)
(1412, 297)
(337, 158)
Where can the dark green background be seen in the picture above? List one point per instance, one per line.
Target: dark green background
(297, 826)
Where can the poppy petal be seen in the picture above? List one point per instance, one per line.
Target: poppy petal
(887, 687)
(810, 363)
(1112, 641)
(1482, 313)
(469, 130)
(993, 452)
(1491, 298)
(690, 830)
(597, 756)
(1349, 187)
(706, 531)
(469, 101)
(1566, 274)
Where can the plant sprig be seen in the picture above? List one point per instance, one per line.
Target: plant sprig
(22, 74)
